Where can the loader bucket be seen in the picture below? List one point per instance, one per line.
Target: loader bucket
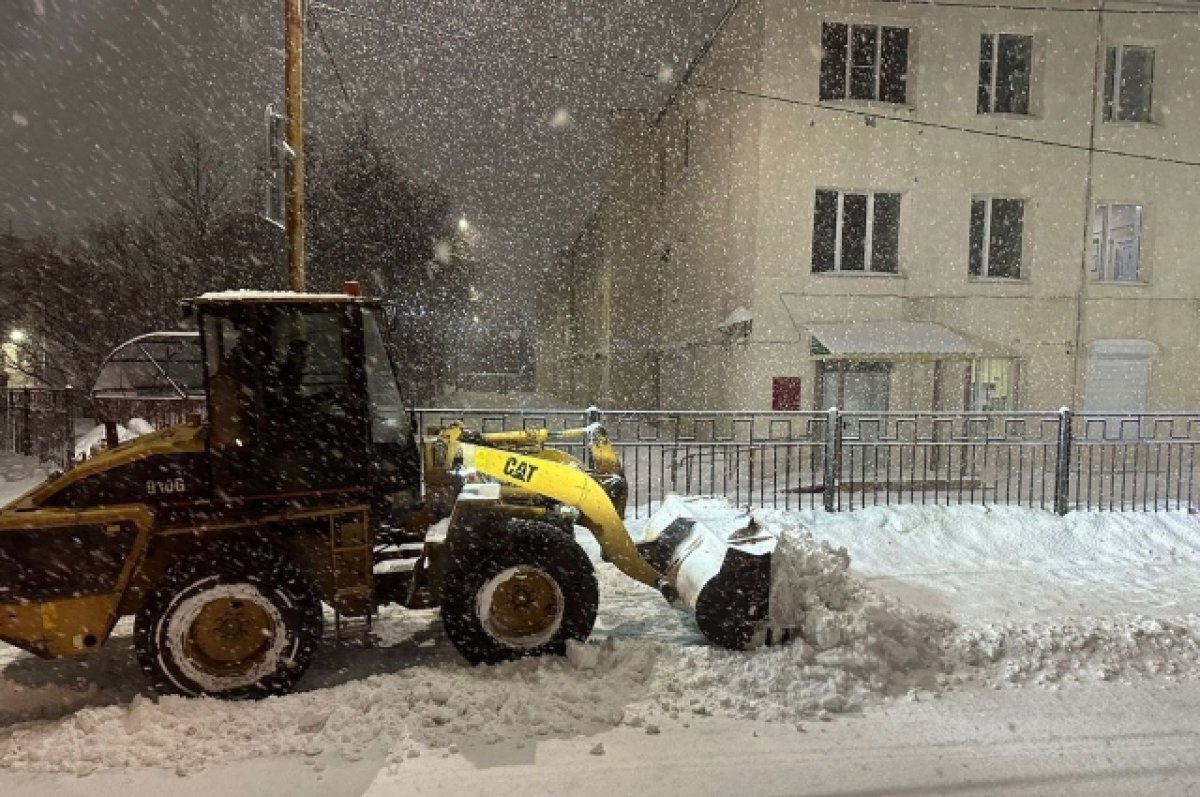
(716, 564)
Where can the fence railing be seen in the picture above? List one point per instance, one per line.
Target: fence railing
(37, 422)
(832, 460)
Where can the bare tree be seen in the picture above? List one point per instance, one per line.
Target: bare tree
(82, 295)
(192, 190)
(369, 219)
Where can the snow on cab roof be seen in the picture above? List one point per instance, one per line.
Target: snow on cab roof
(274, 296)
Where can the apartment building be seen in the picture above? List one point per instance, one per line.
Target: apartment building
(895, 205)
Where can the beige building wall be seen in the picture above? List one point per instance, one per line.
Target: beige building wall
(747, 143)
(712, 153)
(599, 325)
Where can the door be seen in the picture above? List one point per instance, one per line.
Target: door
(287, 400)
(855, 385)
(1118, 376)
(316, 430)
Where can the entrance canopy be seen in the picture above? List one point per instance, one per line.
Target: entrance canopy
(889, 340)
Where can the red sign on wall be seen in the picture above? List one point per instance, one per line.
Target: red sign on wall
(785, 393)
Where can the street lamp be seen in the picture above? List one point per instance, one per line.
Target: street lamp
(17, 335)
(463, 224)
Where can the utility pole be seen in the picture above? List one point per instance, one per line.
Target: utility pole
(294, 111)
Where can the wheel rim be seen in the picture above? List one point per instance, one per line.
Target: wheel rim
(521, 607)
(230, 633)
(226, 637)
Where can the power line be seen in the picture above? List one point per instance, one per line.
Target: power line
(476, 43)
(700, 56)
(332, 59)
(872, 114)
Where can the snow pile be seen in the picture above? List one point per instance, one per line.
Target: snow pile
(17, 468)
(877, 604)
(852, 644)
(848, 644)
(93, 442)
(401, 713)
(1080, 650)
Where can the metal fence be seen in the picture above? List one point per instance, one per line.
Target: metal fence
(37, 422)
(832, 460)
(839, 461)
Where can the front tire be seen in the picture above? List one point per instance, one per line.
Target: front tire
(241, 623)
(525, 592)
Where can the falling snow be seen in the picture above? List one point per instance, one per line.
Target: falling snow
(560, 203)
(561, 119)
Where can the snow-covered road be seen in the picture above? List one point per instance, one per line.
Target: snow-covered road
(965, 650)
(1092, 742)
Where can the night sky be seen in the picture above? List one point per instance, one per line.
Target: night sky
(90, 90)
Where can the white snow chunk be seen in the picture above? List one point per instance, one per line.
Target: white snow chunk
(561, 119)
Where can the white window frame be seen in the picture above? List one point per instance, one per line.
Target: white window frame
(877, 64)
(831, 374)
(985, 269)
(869, 238)
(995, 37)
(1118, 69)
(1100, 249)
(877, 61)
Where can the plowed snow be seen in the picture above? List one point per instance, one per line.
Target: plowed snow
(883, 603)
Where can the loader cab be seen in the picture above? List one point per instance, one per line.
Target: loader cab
(303, 401)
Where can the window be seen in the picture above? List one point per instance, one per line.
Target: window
(856, 232)
(1005, 64)
(1128, 77)
(232, 357)
(785, 393)
(864, 62)
(308, 348)
(997, 226)
(993, 386)
(1118, 376)
(1116, 243)
(389, 422)
(306, 379)
(854, 385)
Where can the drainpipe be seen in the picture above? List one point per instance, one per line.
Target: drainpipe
(1088, 199)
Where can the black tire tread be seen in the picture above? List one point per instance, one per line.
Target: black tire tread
(521, 542)
(233, 561)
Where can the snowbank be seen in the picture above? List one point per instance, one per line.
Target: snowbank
(93, 441)
(404, 712)
(19, 468)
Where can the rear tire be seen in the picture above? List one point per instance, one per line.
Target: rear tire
(525, 592)
(240, 623)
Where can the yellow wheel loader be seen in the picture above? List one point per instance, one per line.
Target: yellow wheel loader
(307, 486)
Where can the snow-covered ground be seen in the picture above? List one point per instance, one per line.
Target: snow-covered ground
(940, 650)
